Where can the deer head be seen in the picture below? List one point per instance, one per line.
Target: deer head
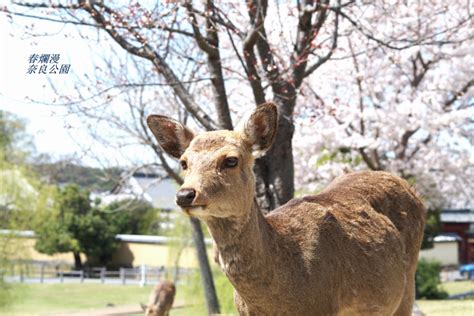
(150, 310)
(217, 165)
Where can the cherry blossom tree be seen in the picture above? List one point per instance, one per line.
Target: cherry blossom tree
(387, 107)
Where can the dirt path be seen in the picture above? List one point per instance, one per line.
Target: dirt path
(110, 311)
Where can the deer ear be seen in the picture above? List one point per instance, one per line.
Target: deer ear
(172, 136)
(260, 128)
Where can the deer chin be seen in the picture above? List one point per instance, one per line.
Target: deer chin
(194, 210)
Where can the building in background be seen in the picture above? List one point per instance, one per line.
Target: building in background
(461, 223)
(445, 250)
(152, 187)
(149, 186)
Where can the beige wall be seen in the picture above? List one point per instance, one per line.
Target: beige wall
(136, 254)
(446, 253)
(24, 249)
(129, 253)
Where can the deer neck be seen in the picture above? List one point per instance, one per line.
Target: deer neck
(244, 247)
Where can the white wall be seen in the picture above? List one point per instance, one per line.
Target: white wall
(447, 253)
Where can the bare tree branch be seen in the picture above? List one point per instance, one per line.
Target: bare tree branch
(44, 18)
(322, 60)
(249, 55)
(147, 52)
(210, 46)
(458, 94)
(401, 148)
(431, 40)
(418, 147)
(160, 26)
(419, 74)
(80, 5)
(96, 10)
(306, 33)
(202, 42)
(284, 92)
(359, 88)
(257, 19)
(127, 85)
(253, 76)
(371, 162)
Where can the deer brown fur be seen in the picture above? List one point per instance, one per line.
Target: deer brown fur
(161, 299)
(350, 250)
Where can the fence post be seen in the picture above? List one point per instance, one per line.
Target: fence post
(22, 277)
(142, 275)
(42, 273)
(102, 275)
(61, 276)
(122, 275)
(82, 276)
(159, 272)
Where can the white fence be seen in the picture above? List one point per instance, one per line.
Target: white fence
(47, 273)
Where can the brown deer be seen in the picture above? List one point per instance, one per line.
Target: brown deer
(160, 300)
(350, 250)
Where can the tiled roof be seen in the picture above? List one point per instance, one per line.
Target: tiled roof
(457, 216)
(158, 190)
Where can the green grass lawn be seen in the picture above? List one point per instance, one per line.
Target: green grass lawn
(447, 307)
(450, 307)
(37, 299)
(458, 287)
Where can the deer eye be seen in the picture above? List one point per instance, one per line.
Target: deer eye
(230, 162)
(183, 164)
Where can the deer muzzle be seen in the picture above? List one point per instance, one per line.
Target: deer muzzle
(185, 197)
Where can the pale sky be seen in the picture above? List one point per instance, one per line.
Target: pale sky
(54, 130)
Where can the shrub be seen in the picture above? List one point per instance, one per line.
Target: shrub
(428, 281)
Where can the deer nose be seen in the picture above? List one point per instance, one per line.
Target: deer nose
(185, 197)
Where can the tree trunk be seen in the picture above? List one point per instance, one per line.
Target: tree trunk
(275, 171)
(206, 275)
(219, 95)
(77, 261)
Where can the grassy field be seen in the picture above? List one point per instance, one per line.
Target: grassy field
(447, 307)
(458, 287)
(40, 299)
(450, 307)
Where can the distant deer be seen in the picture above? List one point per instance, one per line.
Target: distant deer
(160, 300)
(350, 250)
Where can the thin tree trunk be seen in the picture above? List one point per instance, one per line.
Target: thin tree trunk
(77, 261)
(220, 96)
(206, 274)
